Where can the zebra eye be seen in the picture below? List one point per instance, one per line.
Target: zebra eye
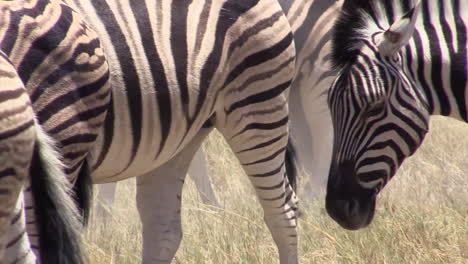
(375, 109)
(396, 58)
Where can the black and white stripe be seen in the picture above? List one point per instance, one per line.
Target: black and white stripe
(59, 61)
(177, 69)
(17, 136)
(310, 125)
(311, 23)
(398, 62)
(29, 162)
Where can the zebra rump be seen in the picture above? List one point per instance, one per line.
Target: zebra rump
(56, 214)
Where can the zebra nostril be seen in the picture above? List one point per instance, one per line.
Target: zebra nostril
(352, 207)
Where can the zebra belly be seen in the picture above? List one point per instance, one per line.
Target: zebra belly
(127, 148)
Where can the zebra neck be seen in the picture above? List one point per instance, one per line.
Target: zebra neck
(439, 72)
(304, 16)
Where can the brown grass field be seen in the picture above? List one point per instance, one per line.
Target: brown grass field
(422, 215)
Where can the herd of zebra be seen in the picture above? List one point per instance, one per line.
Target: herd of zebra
(97, 91)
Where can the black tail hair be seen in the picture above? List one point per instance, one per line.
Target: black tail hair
(56, 214)
(290, 163)
(84, 191)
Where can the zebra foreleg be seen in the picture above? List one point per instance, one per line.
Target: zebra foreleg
(105, 199)
(199, 174)
(159, 196)
(316, 157)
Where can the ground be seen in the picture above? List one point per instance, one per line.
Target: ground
(422, 215)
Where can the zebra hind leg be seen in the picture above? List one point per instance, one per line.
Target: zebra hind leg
(19, 249)
(17, 136)
(159, 196)
(271, 170)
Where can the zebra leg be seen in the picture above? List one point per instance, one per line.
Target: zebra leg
(19, 249)
(159, 200)
(199, 174)
(14, 164)
(263, 159)
(318, 158)
(105, 199)
(17, 137)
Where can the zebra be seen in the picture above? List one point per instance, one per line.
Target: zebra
(27, 150)
(175, 74)
(303, 16)
(53, 51)
(397, 63)
(311, 23)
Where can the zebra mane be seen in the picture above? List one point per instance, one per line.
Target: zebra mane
(358, 19)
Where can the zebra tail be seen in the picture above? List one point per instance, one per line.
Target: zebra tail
(290, 163)
(84, 191)
(56, 214)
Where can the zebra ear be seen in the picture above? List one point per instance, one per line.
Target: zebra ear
(399, 33)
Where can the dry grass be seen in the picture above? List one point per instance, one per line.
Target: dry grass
(422, 216)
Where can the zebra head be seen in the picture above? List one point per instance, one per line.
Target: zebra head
(378, 116)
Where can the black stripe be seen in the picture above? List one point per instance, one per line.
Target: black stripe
(269, 158)
(436, 61)
(16, 217)
(286, 200)
(458, 60)
(7, 172)
(269, 173)
(264, 126)
(264, 144)
(11, 94)
(16, 18)
(5, 134)
(281, 196)
(16, 239)
(127, 64)
(421, 69)
(44, 45)
(78, 139)
(108, 134)
(179, 17)
(79, 117)
(388, 9)
(75, 154)
(269, 188)
(68, 99)
(259, 97)
(254, 30)
(163, 96)
(231, 10)
(260, 57)
(68, 68)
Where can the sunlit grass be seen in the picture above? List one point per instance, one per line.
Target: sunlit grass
(422, 215)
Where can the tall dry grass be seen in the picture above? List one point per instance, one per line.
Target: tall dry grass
(422, 215)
